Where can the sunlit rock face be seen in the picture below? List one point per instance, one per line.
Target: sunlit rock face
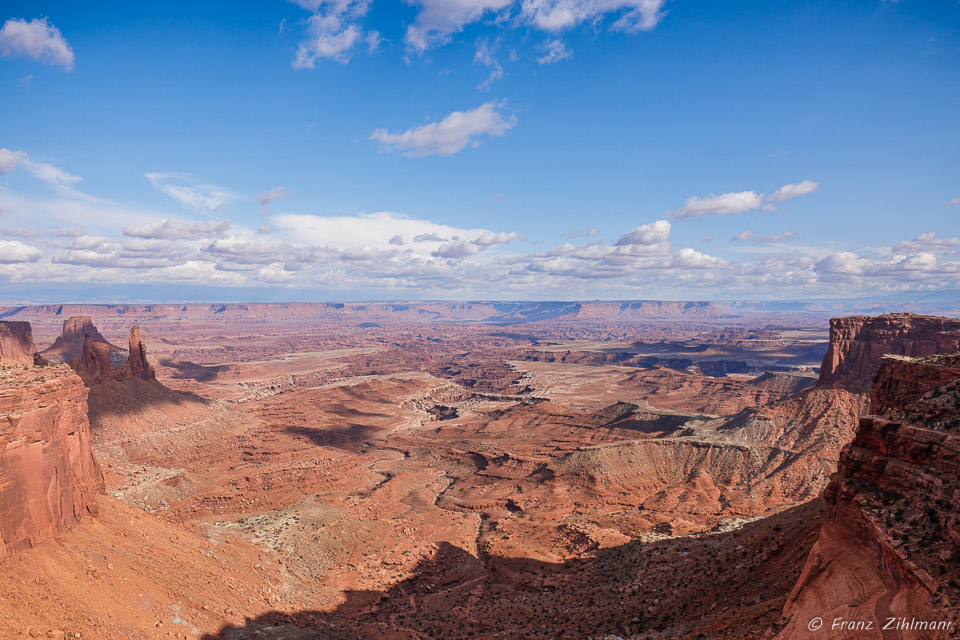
(858, 343)
(48, 474)
(16, 344)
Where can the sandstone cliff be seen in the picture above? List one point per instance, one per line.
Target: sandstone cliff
(889, 552)
(49, 477)
(16, 344)
(69, 344)
(858, 343)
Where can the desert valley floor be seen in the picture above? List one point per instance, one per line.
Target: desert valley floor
(370, 474)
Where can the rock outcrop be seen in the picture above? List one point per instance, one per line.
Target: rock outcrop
(889, 552)
(94, 365)
(137, 365)
(49, 477)
(16, 344)
(858, 343)
(69, 345)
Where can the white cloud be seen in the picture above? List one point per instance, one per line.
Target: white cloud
(332, 31)
(38, 40)
(928, 242)
(788, 191)
(490, 239)
(691, 258)
(450, 135)
(200, 197)
(13, 251)
(437, 20)
(842, 263)
(647, 234)
(9, 160)
(485, 55)
(382, 231)
(750, 236)
(554, 51)
(267, 197)
(52, 175)
(173, 229)
(723, 204)
(556, 15)
(741, 201)
(954, 202)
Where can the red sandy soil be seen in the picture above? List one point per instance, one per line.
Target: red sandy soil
(444, 481)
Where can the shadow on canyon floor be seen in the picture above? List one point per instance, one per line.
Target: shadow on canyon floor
(732, 584)
(347, 437)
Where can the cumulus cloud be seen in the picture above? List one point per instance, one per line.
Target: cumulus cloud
(554, 51)
(954, 202)
(647, 234)
(450, 135)
(267, 197)
(740, 201)
(333, 31)
(842, 263)
(200, 197)
(174, 229)
(9, 160)
(38, 40)
(13, 251)
(691, 258)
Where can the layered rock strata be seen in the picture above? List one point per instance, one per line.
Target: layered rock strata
(94, 364)
(69, 344)
(16, 344)
(887, 562)
(858, 343)
(49, 477)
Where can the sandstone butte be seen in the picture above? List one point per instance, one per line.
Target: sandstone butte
(69, 344)
(889, 546)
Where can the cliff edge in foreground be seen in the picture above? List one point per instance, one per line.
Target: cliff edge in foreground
(49, 477)
(887, 563)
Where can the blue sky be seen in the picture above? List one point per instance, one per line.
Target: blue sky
(527, 149)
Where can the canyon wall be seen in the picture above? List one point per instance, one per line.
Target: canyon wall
(49, 477)
(888, 554)
(47, 319)
(16, 344)
(858, 343)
